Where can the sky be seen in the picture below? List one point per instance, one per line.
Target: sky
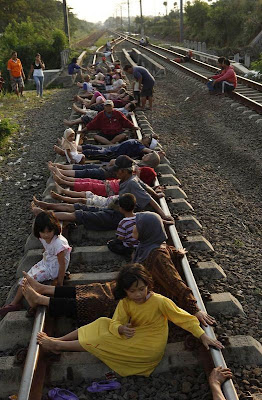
(103, 9)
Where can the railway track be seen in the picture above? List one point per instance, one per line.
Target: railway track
(248, 92)
(102, 264)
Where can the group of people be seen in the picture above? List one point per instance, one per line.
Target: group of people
(122, 322)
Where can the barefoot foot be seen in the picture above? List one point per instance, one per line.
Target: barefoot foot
(56, 196)
(36, 210)
(47, 343)
(32, 297)
(33, 283)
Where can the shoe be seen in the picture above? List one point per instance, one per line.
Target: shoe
(102, 386)
(9, 308)
(61, 394)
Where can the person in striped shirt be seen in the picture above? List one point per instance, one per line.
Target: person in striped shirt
(125, 243)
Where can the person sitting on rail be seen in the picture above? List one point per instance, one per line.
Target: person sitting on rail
(55, 259)
(132, 148)
(74, 68)
(89, 302)
(141, 316)
(103, 66)
(82, 186)
(106, 219)
(225, 82)
(125, 243)
(142, 41)
(104, 171)
(146, 83)
(110, 123)
(69, 146)
(89, 115)
(184, 59)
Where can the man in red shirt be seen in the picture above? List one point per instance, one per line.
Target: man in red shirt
(16, 72)
(110, 123)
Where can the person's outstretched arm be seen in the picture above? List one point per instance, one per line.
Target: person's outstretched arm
(217, 377)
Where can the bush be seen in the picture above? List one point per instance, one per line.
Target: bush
(6, 128)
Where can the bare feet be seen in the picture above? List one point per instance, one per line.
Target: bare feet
(33, 283)
(57, 196)
(32, 297)
(59, 189)
(51, 166)
(59, 151)
(41, 205)
(58, 179)
(47, 343)
(36, 210)
(74, 107)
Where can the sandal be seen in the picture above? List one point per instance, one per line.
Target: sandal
(103, 386)
(61, 394)
(9, 308)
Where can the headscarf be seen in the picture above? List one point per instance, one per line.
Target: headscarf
(66, 145)
(151, 232)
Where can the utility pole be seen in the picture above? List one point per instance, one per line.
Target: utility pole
(181, 22)
(141, 18)
(128, 13)
(66, 22)
(121, 17)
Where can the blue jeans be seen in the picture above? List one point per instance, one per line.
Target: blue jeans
(39, 81)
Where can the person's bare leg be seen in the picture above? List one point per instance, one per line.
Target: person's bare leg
(102, 140)
(72, 122)
(39, 287)
(56, 346)
(150, 100)
(59, 151)
(61, 166)
(119, 138)
(69, 200)
(67, 172)
(33, 298)
(78, 109)
(70, 193)
(18, 297)
(63, 181)
(53, 206)
(143, 102)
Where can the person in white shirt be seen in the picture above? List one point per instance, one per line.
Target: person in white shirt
(37, 68)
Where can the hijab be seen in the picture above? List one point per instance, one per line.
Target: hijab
(151, 232)
(66, 145)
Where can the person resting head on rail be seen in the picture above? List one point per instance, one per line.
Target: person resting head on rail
(150, 310)
(132, 148)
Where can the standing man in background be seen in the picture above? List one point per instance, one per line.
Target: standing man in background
(16, 72)
(146, 83)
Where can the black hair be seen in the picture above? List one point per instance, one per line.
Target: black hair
(74, 60)
(128, 275)
(46, 220)
(38, 54)
(127, 201)
(126, 67)
(132, 107)
(131, 98)
(13, 52)
(221, 60)
(226, 61)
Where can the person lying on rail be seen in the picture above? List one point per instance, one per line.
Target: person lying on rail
(89, 302)
(225, 82)
(125, 243)
(69, 146)
(117, 84)
(132, 148)
(86, 85)
(134, 340)
(103, 66)
(120, 99)
(55, 259)
(102, 171)
(99, 187)
(185, 58)
(146, 83)
(106, 219)
(89, 115)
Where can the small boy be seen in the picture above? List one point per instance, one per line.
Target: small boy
(136, 91)
(125, 243)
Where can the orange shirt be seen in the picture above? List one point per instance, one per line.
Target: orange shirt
(15, 67)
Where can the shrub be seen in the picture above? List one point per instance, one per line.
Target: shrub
(6, 128)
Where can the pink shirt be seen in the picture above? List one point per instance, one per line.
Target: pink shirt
(228, 74)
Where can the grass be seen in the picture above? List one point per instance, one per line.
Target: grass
(12, 111)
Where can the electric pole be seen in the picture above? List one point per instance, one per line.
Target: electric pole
(181, 22)
(141, 18)
(128, 13)
(66, 22)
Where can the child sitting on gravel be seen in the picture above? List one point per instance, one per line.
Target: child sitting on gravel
(55, 259)
(125, 242)
(69, 146)
(141, 316)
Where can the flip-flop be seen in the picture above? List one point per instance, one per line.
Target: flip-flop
(61, 394)
(102, 386)
(9, 308)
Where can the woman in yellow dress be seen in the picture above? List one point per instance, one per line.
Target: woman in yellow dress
(134, 340)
